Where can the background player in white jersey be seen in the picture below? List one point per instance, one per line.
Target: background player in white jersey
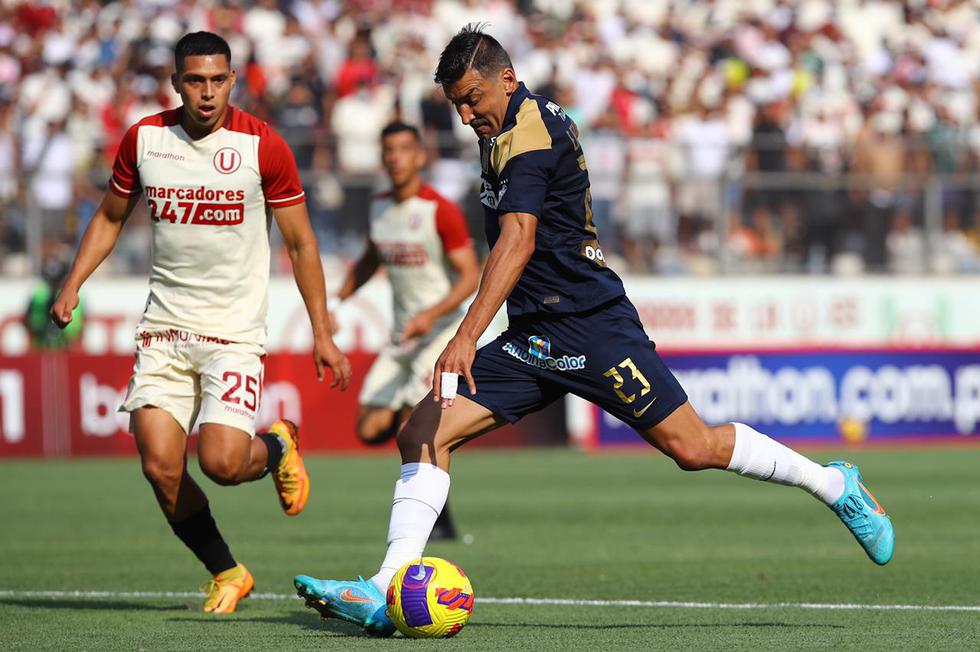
(211, 175)
(419, 237)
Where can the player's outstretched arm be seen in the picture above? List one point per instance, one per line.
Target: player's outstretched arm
(294, 224)
(97, 242)
(361, 272)
(504, 267)
(463, 260)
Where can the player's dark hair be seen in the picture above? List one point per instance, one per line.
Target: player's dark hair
(471, 48)
(198, 44)
(398, 127)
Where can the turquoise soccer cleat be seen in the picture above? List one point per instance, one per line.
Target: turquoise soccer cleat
(864, 516)
(360, 602)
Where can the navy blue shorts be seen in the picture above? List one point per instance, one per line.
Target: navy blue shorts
(602, 355)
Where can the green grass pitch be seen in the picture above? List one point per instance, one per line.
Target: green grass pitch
(545, 524)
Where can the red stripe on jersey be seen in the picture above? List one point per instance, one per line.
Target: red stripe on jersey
(125, 180)
(280, 178)
(450, 223)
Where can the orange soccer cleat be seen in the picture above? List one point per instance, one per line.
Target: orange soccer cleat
(226, 589)
(291, 479)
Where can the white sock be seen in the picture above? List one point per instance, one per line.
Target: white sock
(420, 495)
(762, 458)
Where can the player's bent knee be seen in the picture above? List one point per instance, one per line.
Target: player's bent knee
(161, 474)
(222, 470)
(375, 435)
(690, 458)
(693, 451)
(706, 450)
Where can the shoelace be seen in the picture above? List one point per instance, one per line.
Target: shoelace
(853, 511)
(209, 587)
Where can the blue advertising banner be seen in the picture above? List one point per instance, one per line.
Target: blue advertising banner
(831, 396)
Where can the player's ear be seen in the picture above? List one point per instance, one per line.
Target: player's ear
(173, 82)
(234, 77)
(509, 79)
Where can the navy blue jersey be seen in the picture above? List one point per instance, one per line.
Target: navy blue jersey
(536, 165)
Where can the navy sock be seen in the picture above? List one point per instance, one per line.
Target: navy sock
(200, 533)
(276, 448)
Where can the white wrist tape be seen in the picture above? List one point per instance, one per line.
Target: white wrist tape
(449, 385)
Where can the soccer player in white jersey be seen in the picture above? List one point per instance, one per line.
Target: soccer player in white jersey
(211, 175)
(419, 237)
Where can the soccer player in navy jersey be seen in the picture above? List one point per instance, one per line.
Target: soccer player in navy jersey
(572, 329)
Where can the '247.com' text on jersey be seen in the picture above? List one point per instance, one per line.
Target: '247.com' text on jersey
(536, 165)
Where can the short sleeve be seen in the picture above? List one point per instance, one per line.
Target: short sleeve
(125, 180)
(525, 178)
(451, 226)
(280, 178)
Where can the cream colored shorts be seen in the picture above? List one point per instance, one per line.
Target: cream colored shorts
(191, 375)
(402, 374)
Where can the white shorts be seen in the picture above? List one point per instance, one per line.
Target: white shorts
(402, 374)
(189, 375)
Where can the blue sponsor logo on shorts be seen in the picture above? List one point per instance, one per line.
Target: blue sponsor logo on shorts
(538, 354)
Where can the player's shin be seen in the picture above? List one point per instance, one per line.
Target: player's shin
(420, 494)
(200, 533)
(757, 456)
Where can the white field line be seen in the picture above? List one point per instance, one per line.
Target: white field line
(662, 604)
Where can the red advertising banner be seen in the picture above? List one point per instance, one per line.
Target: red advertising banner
(21, 424)
(58, 404)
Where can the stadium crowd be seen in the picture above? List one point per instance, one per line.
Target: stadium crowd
(725, 135)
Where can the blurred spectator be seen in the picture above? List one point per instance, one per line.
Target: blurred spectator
(607, 169)
(297, 121)
(44, 334)
(12, 237)
(703, 139)
(906, 246)
(880, 156)
(954, 251)
(649, 220)
(449, 173)
(48, 166)
(357, 121)
(359, 70)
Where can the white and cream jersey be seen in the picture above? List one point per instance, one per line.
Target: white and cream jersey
(412, 238)
(210, 203)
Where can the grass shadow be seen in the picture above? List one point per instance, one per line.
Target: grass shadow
(95, 605)
(654, 625)
(298, 618)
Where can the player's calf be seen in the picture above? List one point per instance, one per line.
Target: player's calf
(691, 443)
(376, 426)
(417, 440)
(432, 433)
